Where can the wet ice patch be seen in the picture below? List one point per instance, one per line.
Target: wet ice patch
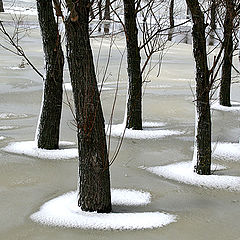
(64, 212)
(226, 151)
(150, 131)
(30, 148)
(4, 116)
(8, 127)
(183, 172)
(234, 108)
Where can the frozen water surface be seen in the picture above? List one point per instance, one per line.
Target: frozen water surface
(26, 183)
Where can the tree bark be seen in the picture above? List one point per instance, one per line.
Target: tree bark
(213, 25)
(94, 177)
(225, 87)
(50, 116)
(134, 105)
(171, 20)
(203, 128)
(1, 6)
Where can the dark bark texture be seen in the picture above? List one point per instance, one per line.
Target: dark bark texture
(225, 87)
(134, 105)
(213, 25)
(203, 128)
(1, 6)
(48, 129)
(171, 20)
(94, 177)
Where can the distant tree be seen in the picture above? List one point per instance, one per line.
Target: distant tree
(94, 177)
(50, 116)
(1, 6)
(171, 20)
(213, 20)
(134, 104)
(225, 87)
(107, 10)
(203, 115)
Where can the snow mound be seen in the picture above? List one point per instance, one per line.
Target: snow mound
(183, 172)
(64, 212)
(29, 148)
(234, 108)
(150, 131)
(226, 151)
(4, 116)
(2, 138)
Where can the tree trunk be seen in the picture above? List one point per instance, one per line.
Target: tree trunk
(225, 87)
(203, 128)
(94, 177)
(50, 116)
(1, 6)
(171, 20)
(134, 105)
(100, 9)
(107, 10)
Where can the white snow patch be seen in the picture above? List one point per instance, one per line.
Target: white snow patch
(21, 10)
(150, 131)
(183, 172)
(226, 151)
(130, 197)
(68, 87)
(7, 127)
(2, 137)
(64, 212)
(30, 148)
(234, 108)
(12, 116)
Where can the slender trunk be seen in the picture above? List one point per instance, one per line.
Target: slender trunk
(107, 10)
(203, 128)
(1, 6)
(94, 177)
(213, 25)
(225, 87)
(171, 20)
(134, 105)
(50, 116)
(91, 12)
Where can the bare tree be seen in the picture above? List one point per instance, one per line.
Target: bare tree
(94, 177)
(50, 116)
(171, 20)
(1, 6)
(203, 115)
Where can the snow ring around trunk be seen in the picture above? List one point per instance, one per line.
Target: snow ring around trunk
(150, 131)
(183, 173)
(234, 108)
(64, 212)
(29, 148)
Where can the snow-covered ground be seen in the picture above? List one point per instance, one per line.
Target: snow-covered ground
(64, 212)
(183, 173)
(29, 148)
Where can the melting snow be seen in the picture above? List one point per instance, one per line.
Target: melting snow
(150, 131)
(183, 172)
(64, 212)
(29, 148)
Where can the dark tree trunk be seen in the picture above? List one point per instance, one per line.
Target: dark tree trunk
(1, 6)
(94, 177)
(203, 128)
(213, 25)
(50, 116)
(100, 9)
(107, 10)
(134, 105)
(171, 20)
(225, 87)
